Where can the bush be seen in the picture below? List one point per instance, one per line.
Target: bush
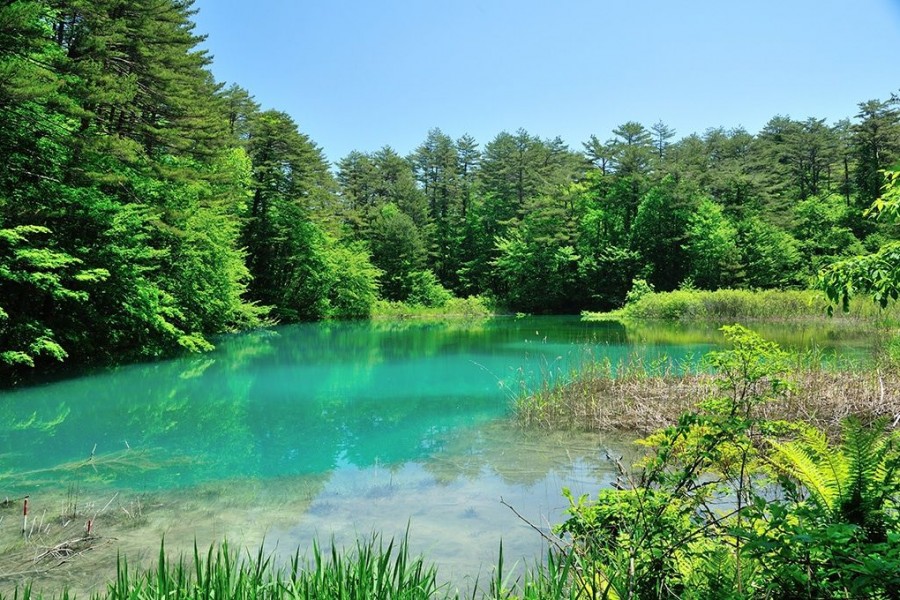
(639, 289)
(471, 307)
(426, 290)
(726, 504)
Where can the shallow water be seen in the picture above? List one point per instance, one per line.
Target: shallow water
(332, 430)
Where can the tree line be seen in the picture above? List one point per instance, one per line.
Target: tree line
(145, 207)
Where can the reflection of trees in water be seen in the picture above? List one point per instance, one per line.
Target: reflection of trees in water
(831, 336)
(302, 398)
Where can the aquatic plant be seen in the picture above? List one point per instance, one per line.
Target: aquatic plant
(372, 570)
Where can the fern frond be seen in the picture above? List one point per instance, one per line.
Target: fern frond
(887, 472)
(864, 448)
(831, 461)
(795, 460)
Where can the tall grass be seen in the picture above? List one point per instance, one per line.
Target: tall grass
(642, 396)
(730, 305)
(372, 570)
(471, 307)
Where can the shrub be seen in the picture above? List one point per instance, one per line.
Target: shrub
(727, 504)
(426, 290)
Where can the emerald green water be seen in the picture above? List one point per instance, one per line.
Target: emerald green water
(331, 429)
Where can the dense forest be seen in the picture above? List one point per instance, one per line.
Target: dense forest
(145, 207)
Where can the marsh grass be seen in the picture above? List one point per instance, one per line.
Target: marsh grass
(744, 305)
(373, 570)
(638, 396)
(465, 308)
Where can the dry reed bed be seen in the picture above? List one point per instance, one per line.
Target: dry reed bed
(643, 404)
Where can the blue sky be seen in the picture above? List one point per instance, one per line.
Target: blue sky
(361, 74)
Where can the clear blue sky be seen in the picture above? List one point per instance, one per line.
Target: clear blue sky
(361, 74)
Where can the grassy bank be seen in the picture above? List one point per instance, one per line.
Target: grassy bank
(742, 305)
(598, 401)
(372, 570)
(465, 308)
(640, 397)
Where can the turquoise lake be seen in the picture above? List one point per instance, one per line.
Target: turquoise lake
(331, 430)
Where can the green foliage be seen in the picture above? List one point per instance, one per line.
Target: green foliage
(397, 250)
(853, 483)
(661, 533)
(688, 305)
(535, 273)
(711, 247)
(352, 287)
(893, 350)
(875, 146)
(822, 225)
(770, 257)
(726, 504)
(877, 273)
(473, 307)
(426, 290)
(660, 232)
(639, 289)
(835, 532)
(372, 570)
(31, 272)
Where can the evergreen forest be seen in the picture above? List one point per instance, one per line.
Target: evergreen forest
(146, 207)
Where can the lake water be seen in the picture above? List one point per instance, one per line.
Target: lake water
(329, 430)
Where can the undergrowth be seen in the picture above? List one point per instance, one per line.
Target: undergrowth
(471, 307)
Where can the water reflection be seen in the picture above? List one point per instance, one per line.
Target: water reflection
(331, 428)
(307, 399)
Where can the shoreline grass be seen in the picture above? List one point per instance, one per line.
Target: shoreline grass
(743, 305)
(372, 570)
(473, 307)
(636, 397)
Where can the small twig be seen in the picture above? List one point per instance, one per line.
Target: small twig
(91, 460)
(550, 540)
(102, 510)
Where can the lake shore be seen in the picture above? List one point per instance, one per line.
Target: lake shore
(596, 401)
(745, 305)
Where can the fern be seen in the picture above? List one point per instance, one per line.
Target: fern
(798, 461)
(852, 483)
(833, 464)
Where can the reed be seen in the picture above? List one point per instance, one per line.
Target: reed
(373, 570)
(631, 397)
(743, 305)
